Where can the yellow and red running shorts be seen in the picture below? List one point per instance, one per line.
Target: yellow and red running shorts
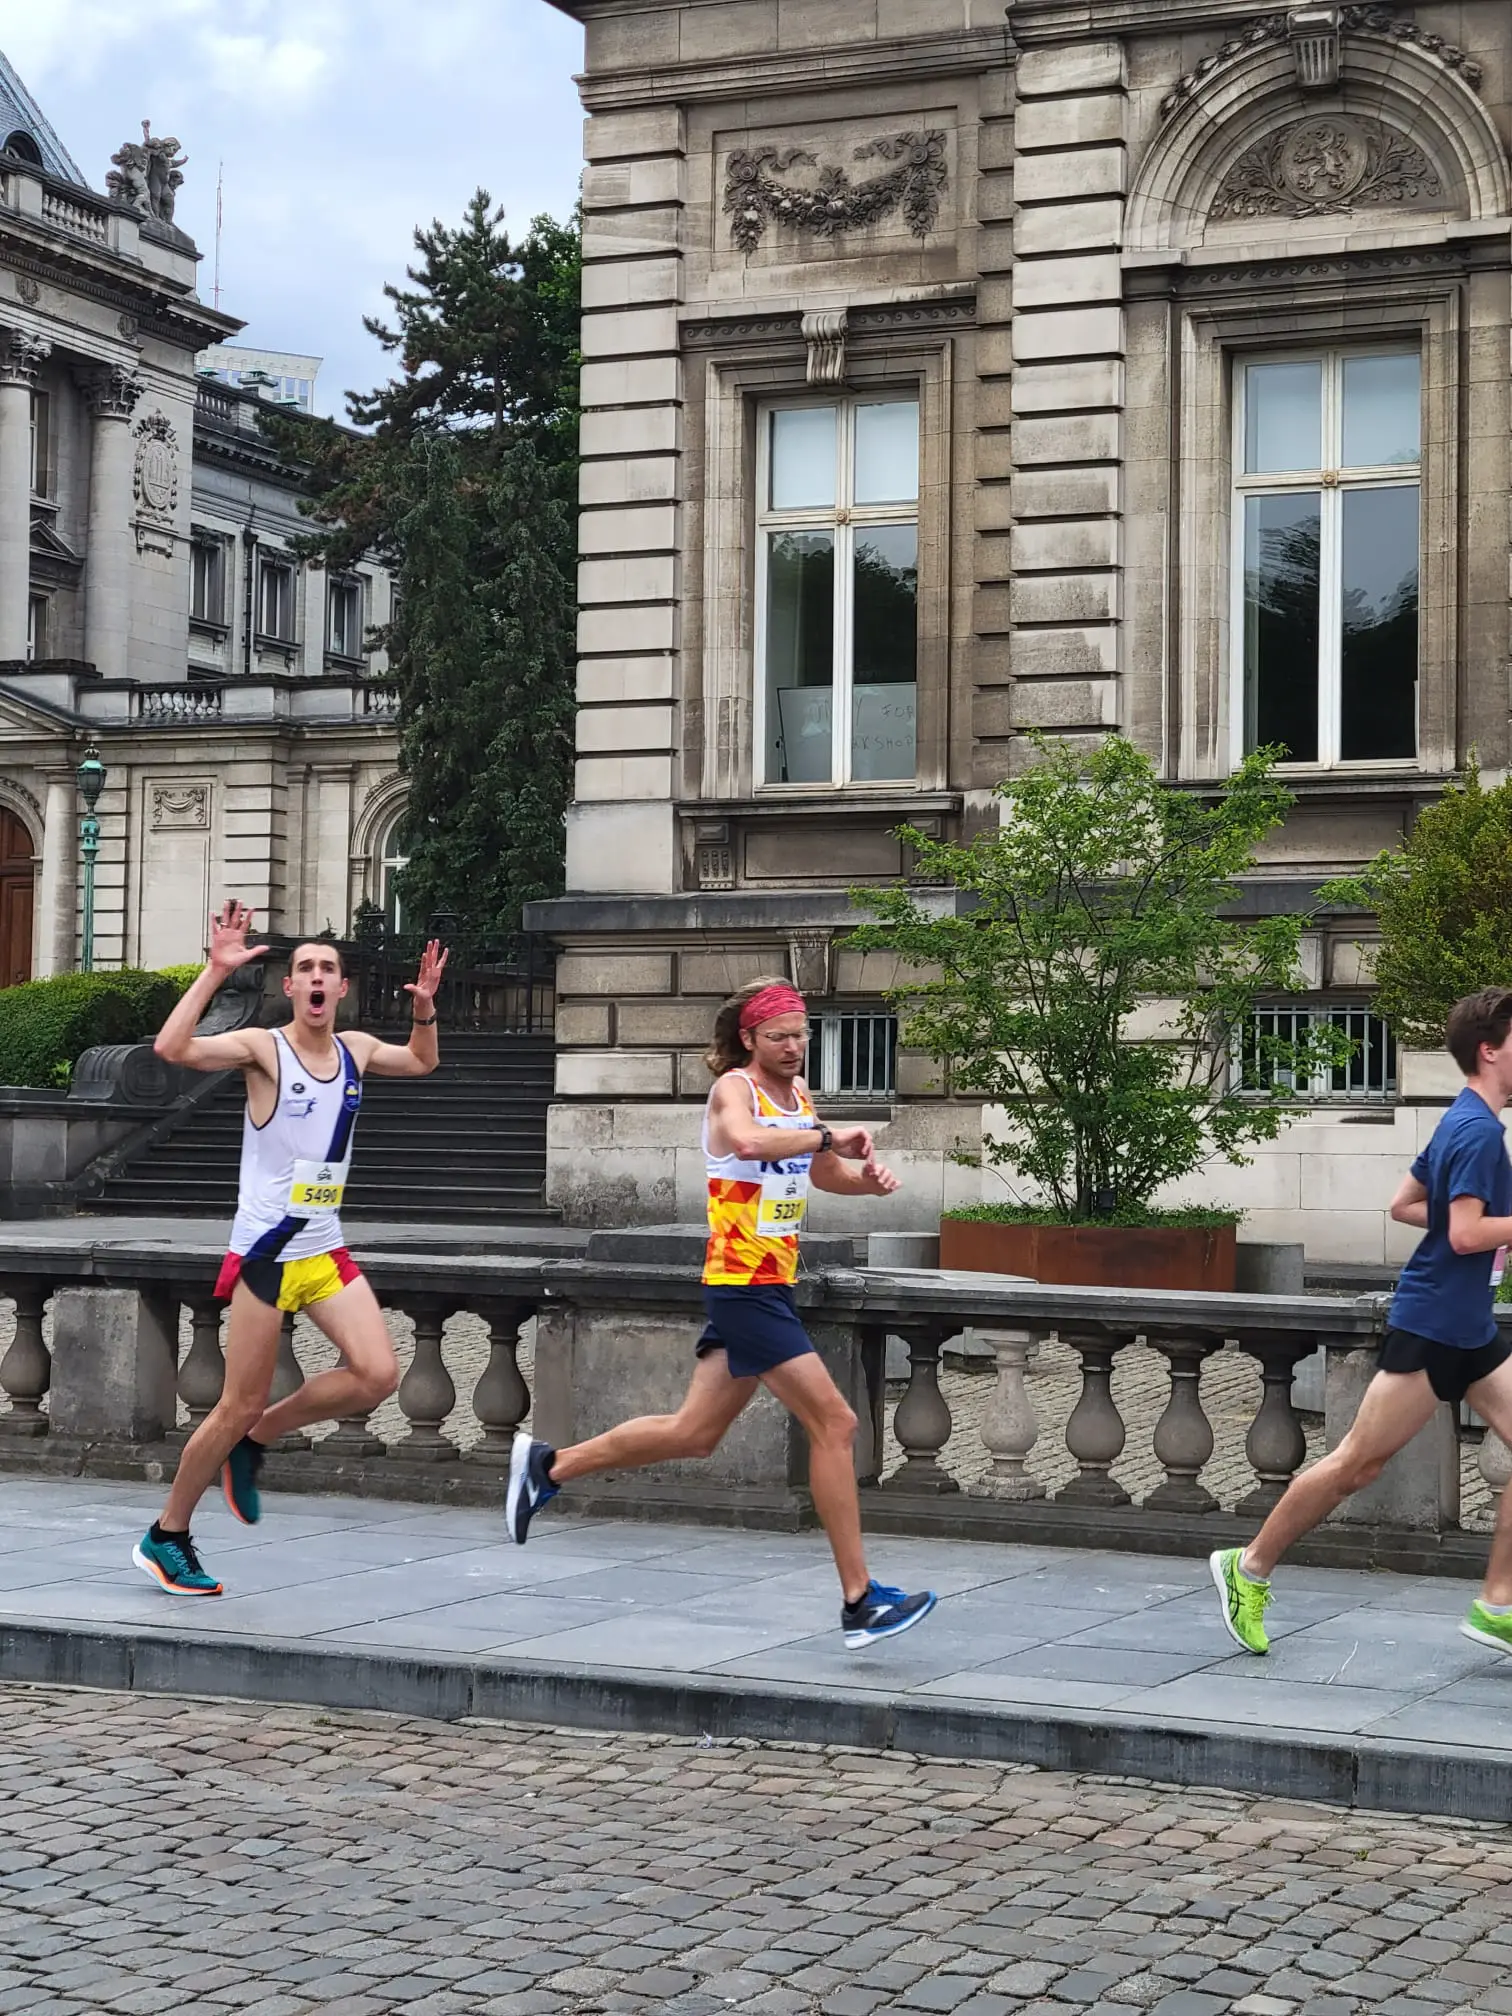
(288, 1284)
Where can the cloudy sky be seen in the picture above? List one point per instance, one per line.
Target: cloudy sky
(339, 125)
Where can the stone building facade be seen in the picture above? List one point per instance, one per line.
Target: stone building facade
(149, 600)
(954, 370)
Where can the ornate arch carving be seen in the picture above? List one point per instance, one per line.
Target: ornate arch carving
(384, 799)
(23, 805)
(1248, 94)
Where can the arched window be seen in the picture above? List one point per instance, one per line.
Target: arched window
(21, 147)
(391, 857)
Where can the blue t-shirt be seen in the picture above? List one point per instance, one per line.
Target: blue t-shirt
(1442, 1294)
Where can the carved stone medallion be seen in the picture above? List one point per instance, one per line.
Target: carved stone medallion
(155, 482)
(1326, 165)
(28, 290)
(178, 805)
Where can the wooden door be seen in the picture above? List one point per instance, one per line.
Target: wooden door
(16, 890)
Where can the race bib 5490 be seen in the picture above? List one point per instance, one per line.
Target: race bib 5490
(317, 1186)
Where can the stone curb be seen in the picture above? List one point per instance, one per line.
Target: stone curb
(1448, 1780)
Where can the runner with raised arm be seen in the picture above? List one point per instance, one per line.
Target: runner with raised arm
(304, 1088)
(763, 1148)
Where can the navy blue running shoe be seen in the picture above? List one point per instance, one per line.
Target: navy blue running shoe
(883, 1613)
(530, 1484)
(239, 1480)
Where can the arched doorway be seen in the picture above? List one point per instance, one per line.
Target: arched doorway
(16, 890)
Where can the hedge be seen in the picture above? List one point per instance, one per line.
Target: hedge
(47, 1025)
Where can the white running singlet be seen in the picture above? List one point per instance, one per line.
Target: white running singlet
(294, 1167)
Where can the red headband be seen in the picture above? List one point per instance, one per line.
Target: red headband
(769, 1004)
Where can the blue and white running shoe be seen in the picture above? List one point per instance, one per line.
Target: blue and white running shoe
(530, 1484)
(883, 1613)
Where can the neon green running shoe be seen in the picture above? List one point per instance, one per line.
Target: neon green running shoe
(1487, 1628)
(1245, 1601)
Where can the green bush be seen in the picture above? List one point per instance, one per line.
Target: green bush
(47, 1025)
(1132, 1215)
(183, 977)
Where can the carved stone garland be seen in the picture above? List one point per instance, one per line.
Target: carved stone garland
(1374, 19)
(1323, 166)
(755, 195)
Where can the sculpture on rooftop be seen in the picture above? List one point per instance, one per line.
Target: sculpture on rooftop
(147, 174)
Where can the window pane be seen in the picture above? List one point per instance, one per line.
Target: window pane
(800, 656)
(887, 452)
(884, 708)
(803, 458)
(1380, 617)
(1281, 549)
(1283, 417)
(1382, 411)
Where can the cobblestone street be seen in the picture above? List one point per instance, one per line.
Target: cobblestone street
(167, 1855)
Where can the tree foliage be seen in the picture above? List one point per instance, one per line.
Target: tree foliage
(1444, 903)
(1103, 892)
(464, 483)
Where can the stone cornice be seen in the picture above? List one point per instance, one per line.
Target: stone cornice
(1037, 22)
(905, 59)
(158, 309)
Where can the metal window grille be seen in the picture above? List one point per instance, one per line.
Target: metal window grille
(853, 1055)
(1369, 1074)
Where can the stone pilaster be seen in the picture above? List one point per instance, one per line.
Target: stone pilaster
(57, 898)
(112, 392)
(21, 356)
(1070, 180)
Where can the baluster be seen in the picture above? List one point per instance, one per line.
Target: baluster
(1095, 1432)
(202, 1376)
(501, 1399)
(1010, 1427)
(1493, 1460)
(922, 1423)
(1183, 1434)
(1276, 1444)
(287, 1379)
(26, 1370)
(426, 1392)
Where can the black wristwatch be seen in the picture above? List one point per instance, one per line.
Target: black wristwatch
(422, 1021)
(826, 1139)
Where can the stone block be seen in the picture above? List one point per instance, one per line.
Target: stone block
(1420, 1486)
(615, 730)
(1064, 653)
(611, 974)
(631, 283)
(1069, 387)
(1352, 962)
(647, 528)
(1061, 282)
(721, 972)
(639, 479)
(631, 381)
(1068, 227)
(611, 632)
(735, 28)
(1083, 332)
(1076, 439)
(1067, 68)
(1066, 493)
(1064, 703)
(1267, 1267)
(607, 779)
(621, 849)
(666, 1022)
(646, 431)
(1046, 123)
(573, 1127)
(114, 1365)
(619, 136)
(1429, 1074)
(609, 1187)
(584, 1022)
(629, 332)
(639, 577)
(630, 42)
(1065, 598)
(1065, 545)
(632, 234)
(602, 680)
(610, 1074)
(619, 185)
(1056, 178)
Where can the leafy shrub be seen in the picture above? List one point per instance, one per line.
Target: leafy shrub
(47, 1025)
(183, 977)
(1138, 1215)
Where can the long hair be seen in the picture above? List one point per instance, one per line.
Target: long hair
(728, 1050)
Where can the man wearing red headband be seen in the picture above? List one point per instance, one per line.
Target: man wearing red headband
(764, 1147)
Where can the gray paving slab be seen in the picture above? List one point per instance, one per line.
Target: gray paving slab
(1121, 1660)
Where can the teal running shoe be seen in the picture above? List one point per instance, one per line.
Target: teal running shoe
(239, 1480)
(1245, 1600)
(170, 1559)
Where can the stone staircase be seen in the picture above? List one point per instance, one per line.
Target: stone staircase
(466, 1145)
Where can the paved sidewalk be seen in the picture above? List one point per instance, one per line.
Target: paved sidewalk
(1066, 1659)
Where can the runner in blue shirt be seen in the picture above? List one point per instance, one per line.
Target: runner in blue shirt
(1441, 1343)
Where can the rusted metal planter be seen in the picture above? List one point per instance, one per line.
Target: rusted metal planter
(1095, 1256)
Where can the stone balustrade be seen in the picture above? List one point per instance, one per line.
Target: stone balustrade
(136, 1353)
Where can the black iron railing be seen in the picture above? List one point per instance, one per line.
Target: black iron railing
(501, 984)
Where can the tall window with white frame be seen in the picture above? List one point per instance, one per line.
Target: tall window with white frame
(1326, 524)
(275, 601)
(207, 580)
(837, 592)
(344, 625)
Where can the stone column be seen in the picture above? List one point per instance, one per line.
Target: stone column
(57, 899)
(21, 356)
(112, 392)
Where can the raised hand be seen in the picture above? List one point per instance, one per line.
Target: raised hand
(432, 966)
(880, 1178)
(228, 937)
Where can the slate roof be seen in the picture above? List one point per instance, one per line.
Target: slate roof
(19, 110)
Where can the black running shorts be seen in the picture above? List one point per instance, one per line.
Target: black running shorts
(1452, 1368)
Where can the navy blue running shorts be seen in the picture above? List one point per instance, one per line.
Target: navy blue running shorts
(756, 1328)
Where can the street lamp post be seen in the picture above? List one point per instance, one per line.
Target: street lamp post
(91, 783)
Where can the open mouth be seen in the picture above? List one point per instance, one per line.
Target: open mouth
(317, 999)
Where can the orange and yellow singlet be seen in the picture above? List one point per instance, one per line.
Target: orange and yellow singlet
(756, 1209)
